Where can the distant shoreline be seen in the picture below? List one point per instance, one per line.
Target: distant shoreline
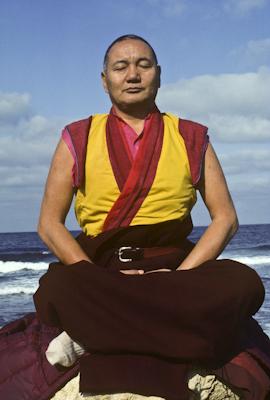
(76, 231)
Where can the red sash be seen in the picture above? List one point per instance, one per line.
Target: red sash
(134, 178)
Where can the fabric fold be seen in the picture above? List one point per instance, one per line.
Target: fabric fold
(134, 180)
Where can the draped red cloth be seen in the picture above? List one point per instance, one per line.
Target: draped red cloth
(134, 178)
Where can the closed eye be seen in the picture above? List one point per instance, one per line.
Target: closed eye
(119, 68)
(145, 62)
(145, 66)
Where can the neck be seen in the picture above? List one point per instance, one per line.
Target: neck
(134, 114)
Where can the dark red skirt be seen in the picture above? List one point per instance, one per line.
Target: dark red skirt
(143, 332)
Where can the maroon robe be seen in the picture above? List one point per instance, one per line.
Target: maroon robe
(144, 333)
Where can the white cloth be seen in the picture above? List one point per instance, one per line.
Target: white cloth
(63, 350)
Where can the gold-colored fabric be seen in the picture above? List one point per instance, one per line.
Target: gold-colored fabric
(96, 198)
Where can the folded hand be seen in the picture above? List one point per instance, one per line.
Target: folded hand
(142, 272)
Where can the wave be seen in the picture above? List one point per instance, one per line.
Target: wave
(13, 266)
(250, 260)
(17, 290)
(261, 247)
(248, 247)
(27, 256)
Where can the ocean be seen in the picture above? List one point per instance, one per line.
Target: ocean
(24, 259)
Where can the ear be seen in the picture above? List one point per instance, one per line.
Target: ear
(159, 75)
(104, 81)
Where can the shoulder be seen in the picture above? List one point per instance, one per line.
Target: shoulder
(196, 142)
(76, 136)
(192, 126)
(81, 127)
(187, 123)
(78, 126)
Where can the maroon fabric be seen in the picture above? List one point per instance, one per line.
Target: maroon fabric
(196, 141)
(253, 374)
(140, 176)
(119, 368)
(113, 298)
(178, 317)
(79, 131)
(101, 249)
(119, 154)
(246, 373)
(25, 373)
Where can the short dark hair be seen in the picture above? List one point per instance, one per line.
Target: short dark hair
(126, 37)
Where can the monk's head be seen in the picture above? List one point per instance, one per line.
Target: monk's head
(131, 74)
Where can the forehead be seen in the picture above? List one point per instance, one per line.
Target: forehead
(129, 48)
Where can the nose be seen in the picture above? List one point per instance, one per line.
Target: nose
(133, 74)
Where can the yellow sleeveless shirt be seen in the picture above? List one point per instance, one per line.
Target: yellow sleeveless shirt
(171, 196)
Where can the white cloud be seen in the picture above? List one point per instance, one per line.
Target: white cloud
(236, 162)
(258, 48)
(239, 128)
(251, 184)
(254, 53)
(235, 107)
(27, 142)
(13, 106)
(23, 176)
(242, 7)
(170, 8)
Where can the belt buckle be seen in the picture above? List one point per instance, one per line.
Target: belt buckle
(120, 253)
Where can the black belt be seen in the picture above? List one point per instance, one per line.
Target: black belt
(129, 253)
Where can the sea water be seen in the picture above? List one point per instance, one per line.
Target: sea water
(24, 259)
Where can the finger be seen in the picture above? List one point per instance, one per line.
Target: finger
(132, 271)
(158, 270)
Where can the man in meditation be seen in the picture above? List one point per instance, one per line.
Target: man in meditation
(143, 303)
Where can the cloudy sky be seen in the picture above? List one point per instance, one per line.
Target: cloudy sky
(215, 58)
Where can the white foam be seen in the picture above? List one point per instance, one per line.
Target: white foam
(17, 290)
(13, 266)
(251, 260)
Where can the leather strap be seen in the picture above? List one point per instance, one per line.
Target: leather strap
(126, 254)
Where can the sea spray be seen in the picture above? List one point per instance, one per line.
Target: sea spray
(7, 267)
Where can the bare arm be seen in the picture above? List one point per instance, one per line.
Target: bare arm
(55, 206)
(216, 196)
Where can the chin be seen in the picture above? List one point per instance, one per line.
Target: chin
(137, 100)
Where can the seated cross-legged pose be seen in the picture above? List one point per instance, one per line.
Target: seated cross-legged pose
(140, 302)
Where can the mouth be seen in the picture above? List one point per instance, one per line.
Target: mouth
(133, 90)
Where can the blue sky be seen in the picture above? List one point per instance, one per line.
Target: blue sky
(215, 59)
